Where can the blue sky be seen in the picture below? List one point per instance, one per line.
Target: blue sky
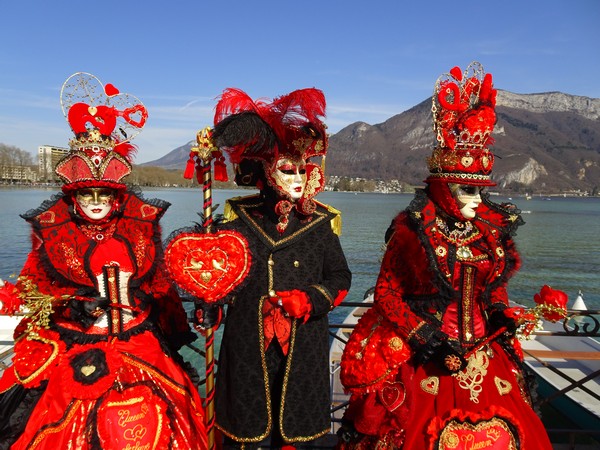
(373, 59)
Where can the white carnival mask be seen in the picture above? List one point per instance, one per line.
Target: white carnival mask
(290, 177)
(468, 198)
(95, 203)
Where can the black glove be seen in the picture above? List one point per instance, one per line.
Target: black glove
(425, 343)
(207, 316)
(87, 309)
(430, 344)
(498, 319)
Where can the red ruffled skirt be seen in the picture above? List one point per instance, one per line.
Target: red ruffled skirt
(424, 408)
(118, 394)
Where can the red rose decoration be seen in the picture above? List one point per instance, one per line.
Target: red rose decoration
(551, 303)
(10, 302)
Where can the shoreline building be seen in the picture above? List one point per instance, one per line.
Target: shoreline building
(48, 157)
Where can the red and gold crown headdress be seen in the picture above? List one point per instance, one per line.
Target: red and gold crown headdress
(104, 121)
(463, 107)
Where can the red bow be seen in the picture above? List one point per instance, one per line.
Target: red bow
(276, 324)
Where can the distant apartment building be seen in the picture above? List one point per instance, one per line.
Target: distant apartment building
(48, 157)
(18, 174)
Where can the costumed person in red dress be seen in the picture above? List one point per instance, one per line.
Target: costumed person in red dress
(273, 371)
(435, 363)
(96, 363)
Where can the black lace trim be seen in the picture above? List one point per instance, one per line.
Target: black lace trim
(418, 225)
(72, 337)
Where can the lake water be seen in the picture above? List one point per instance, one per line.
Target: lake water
(559, 244)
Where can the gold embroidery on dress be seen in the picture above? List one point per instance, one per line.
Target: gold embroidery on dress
(245, 210)
(33, 336)
(396, 344)
(98, 232)
(140, 249)
(72, 261)
(503, 386)
(363, 343)
(471, 378)
(431, 385)
(313, 183)
(323, 290)
(132, 359)
(467, 303)
(468, 256)
(72, 410)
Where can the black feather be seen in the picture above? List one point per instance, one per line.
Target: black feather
(245, 135)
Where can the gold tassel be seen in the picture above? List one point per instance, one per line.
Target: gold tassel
(336, 222)
(228, 213)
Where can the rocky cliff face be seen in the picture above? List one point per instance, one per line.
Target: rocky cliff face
(543, 143)
(551, 102)
(526, 175)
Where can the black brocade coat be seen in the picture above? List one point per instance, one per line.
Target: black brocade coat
(307, 256)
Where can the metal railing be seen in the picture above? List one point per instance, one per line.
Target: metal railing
(564, 435)
(577, 324)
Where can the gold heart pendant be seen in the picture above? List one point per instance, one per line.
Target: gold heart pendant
(466, 161)
(206, 276)
(88, 370)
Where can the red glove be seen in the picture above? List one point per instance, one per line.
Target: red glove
(295, 303)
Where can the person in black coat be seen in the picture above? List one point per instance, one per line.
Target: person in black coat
(273, 372)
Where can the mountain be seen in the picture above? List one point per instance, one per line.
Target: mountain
(175, 159)
(547, 143)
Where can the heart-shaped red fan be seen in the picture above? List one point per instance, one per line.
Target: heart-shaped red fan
(208, 266)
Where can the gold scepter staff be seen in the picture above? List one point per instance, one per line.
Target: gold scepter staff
(205, 153)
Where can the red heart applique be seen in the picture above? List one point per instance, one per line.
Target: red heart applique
(46, 217)
(450, 98)
(456, 73)
(489, 434)
(392, 395)
(133, 418)
(148, 210)
(208, 266)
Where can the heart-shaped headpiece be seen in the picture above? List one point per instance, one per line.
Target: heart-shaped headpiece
(104, 121)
